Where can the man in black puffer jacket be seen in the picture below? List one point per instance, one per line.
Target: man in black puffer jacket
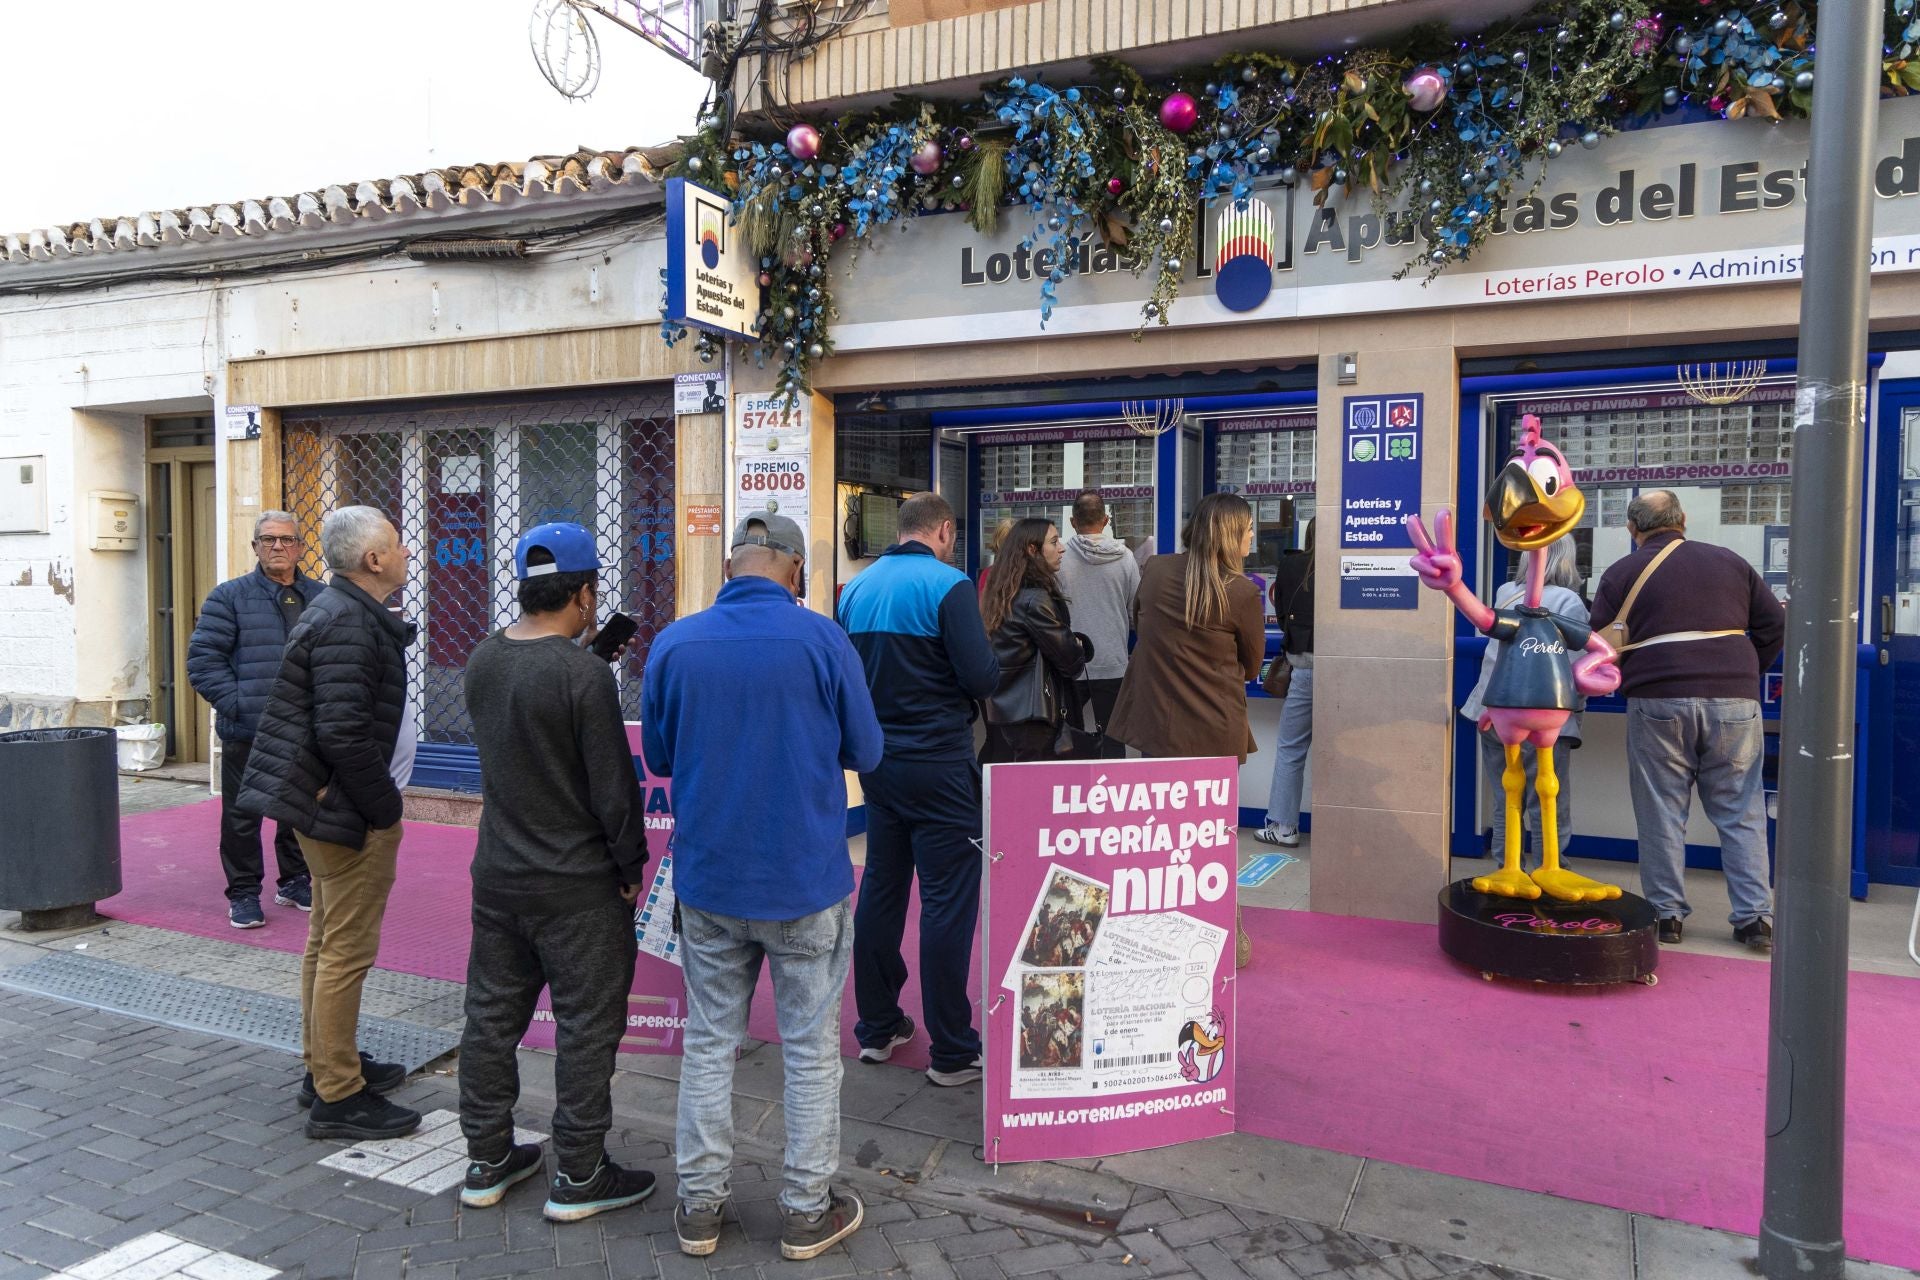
(231, 662)
(322, 762)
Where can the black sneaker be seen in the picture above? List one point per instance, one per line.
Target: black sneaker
(1756, 933)
(361, 1116)
(487, 1184)
(381, 1077)
(808, 1235)
(901, 1033)
(245, 913)
(297, 892)
(957, 1077)
(698, 1229)
(1670, 931)
(610, 1187)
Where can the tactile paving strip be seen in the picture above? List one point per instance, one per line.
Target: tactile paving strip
(210, 1007)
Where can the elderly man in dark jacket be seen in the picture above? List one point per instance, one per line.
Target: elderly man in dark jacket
(322, 762)
(231, 662)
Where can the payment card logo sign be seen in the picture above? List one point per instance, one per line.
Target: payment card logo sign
(1243, 267)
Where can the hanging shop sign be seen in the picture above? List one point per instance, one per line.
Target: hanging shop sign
(1658, 209)
(712, 276)
(699, 393)
(1109, 910)
(657, 1000)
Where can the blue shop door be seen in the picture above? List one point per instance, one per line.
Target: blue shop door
(1891, 665)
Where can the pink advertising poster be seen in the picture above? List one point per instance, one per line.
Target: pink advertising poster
(657, 1005)
(1109, 905)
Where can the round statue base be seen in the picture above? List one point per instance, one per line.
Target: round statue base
(1573, 943)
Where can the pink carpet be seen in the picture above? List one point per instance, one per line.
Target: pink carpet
(1374, 1045)
(1370, 1044)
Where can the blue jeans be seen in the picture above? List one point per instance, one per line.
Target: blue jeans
(721, 958)
(1290, 747)
(922, 819)
(1493, 763)
(1715, 744)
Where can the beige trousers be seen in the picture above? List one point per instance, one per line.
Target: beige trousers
(350, 888)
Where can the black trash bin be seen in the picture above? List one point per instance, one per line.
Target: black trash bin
(59, 824)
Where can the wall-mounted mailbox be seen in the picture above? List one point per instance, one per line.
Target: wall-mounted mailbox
(113, 520)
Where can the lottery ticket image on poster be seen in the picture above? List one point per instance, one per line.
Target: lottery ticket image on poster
(1065, 921)
(1052, 1017)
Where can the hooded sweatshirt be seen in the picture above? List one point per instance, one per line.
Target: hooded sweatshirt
(1099, 577)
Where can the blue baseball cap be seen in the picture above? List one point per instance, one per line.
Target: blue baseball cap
(570, 545)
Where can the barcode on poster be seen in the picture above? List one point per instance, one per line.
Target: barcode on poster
(1135, 1060)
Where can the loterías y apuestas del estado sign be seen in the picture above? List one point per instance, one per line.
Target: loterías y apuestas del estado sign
(1714, 204)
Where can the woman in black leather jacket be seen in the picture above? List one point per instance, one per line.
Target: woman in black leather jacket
(1040, 656)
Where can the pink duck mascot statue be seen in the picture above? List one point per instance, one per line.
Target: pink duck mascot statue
(1536, 676)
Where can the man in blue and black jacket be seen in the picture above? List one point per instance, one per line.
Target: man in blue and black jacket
(231, 662)
(915, 620)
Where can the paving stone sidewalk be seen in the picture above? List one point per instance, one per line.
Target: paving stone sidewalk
(121, 1134)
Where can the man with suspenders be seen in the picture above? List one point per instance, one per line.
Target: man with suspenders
(1696, 627)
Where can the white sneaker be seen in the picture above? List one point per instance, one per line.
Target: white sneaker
(1285, 837)
(954, 1079)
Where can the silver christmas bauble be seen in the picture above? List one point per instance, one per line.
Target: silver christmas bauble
(1554, 148)
(695, 164)
(1589, 139)
(816, 351)
(1804, 80)
(1166, 226)
(1616, 20)
(1173, 264)
(1671, 96)
(1777, 21)
(1248, 74)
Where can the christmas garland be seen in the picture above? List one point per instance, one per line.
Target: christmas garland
(1442, 133)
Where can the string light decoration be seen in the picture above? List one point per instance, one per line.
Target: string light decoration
(1445, 135)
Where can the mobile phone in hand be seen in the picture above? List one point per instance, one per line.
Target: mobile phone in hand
(617, 631)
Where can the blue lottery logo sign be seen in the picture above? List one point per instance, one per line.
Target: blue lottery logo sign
(1380, 474)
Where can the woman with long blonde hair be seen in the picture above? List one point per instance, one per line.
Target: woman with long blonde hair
(1201, 636)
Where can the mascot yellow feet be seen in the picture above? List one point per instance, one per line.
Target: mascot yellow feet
(1511, 882)
(1569, 886)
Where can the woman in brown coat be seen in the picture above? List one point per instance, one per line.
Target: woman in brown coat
(1201, 635)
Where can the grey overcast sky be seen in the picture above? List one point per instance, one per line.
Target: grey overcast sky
(113, 107)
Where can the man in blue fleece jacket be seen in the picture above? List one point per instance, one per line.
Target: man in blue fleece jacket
(916, 621)
(755, 708)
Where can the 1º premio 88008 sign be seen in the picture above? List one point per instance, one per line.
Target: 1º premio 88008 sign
(776, 483)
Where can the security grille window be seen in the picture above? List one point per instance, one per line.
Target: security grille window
(464, 482)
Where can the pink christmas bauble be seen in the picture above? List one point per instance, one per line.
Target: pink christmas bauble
(1179, 112)
(1115, 186)
(839, 231)
(1426, 89)
(926, 158)
(803, 140)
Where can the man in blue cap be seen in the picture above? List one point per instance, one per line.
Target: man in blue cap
(561, 856)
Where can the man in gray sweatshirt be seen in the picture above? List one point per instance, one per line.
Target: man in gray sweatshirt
(1099, 577)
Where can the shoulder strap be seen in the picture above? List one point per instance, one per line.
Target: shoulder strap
(1633, 592)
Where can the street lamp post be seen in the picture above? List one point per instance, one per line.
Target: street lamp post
(1800, 1222)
